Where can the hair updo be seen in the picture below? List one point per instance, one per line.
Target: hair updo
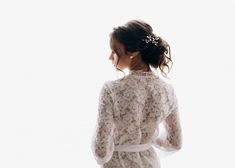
(132, 35)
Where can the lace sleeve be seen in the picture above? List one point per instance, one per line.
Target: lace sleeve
(102, 141)
(171, 139)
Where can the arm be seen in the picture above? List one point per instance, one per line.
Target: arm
(172, 140)
(102, 140)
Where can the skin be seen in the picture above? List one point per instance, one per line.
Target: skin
(125, 60)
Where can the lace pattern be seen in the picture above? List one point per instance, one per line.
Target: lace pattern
(129, 113)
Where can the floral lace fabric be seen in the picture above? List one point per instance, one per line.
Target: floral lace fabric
(130, 111)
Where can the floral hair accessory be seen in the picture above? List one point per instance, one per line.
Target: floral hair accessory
(151, 38)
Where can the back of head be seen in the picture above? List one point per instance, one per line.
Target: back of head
(137, 35)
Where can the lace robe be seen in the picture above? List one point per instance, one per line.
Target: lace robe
(129, 113)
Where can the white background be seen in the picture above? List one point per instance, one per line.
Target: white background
(54, 60)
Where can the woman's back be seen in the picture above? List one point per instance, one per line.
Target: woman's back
(138, 103)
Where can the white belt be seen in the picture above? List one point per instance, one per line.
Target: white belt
(132, 148)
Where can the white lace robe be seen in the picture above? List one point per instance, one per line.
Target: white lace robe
(129, 112)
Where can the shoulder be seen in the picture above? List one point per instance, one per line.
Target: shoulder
(170, 91)
(166, 88)
(114, 88)
(113, 85)
(166, 85)
(108, 86)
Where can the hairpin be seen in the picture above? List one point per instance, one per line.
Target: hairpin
(151, 38)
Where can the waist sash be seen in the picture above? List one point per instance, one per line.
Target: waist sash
(133, 148)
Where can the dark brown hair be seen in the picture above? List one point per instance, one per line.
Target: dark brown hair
(131, 36)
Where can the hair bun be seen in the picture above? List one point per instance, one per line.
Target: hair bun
(137, 35)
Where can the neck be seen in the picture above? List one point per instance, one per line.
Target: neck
(138, 65)
(141, 68)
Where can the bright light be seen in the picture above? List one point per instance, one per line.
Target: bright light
(54, 59)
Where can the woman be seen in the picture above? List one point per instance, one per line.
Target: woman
(131, 109)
